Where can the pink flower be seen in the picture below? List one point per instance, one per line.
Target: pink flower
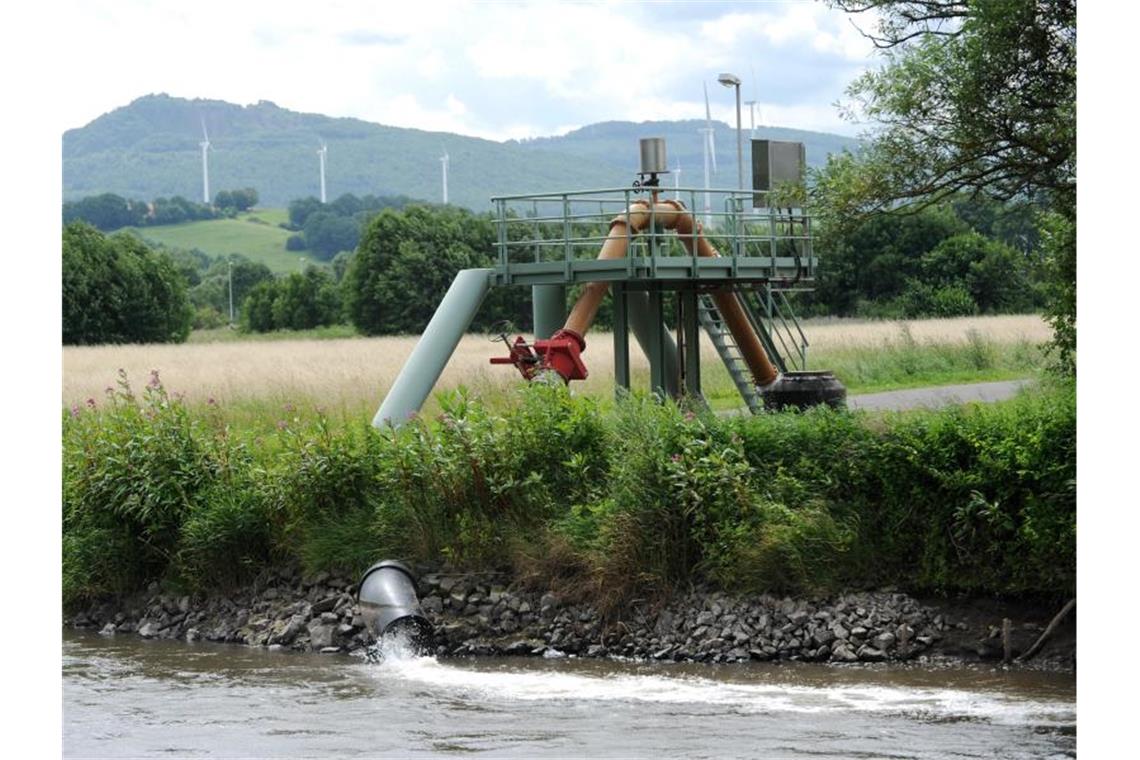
(74, 411)
(91, 403)
(280, 424)
(210, 401)
(154, 383)
(289, 408)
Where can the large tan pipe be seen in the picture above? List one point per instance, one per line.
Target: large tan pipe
(621, 227)
(672, 216)
(763, 372)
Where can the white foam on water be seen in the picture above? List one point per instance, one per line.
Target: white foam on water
(549, 685)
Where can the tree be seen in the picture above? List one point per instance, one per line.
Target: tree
(876, 260)
(295, 302)
(301, 209)
(326, 234)
(105, 212)
(245, 199)
(405, 262)
(346, 205)
(118, 290)
(975, 96)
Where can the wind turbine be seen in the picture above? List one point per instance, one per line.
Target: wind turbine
(205, 146)
(444, 160)
(677, 181)
(710, 154)
(321, 153)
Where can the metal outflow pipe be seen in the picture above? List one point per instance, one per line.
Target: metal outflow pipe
(435, 347)
(388, 603)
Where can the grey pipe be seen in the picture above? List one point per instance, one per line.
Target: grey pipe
(549, 309)
(388, 603)
(435, 347)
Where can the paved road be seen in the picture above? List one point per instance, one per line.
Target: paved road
(931, 398)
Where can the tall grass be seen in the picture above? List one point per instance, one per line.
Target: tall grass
(354, 374)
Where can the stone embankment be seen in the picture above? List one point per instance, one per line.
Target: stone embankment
(477, 615)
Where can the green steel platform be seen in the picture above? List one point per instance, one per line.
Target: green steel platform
(556, 238)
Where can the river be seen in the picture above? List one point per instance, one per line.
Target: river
(129, 697)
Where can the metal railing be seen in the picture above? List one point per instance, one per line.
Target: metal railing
(573, 225)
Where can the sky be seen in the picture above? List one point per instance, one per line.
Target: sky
(498, 70)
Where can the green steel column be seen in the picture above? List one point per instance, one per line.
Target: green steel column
(692, 340)
(549, 309)
(621, 336)
(435, 347)
(642, 321)
(658, 376)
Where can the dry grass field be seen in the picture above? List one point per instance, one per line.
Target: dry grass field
(355, 373)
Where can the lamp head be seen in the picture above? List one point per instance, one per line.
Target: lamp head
(729, 80)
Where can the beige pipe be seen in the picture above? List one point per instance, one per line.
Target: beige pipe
(672, 216)
(763, 372)
(621, 227)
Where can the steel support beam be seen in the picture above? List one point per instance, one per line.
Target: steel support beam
(621, 337)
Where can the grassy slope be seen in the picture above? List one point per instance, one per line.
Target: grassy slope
(261, 241)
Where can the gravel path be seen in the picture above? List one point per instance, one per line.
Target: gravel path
(932, 398)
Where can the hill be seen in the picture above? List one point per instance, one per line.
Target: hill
(254, 235)
(149, 149)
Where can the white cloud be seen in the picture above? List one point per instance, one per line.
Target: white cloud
(495, 70)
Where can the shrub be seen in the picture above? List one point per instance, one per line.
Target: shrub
(603, 502)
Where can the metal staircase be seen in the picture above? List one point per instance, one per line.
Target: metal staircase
(775, 323)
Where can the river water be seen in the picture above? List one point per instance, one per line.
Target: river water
(128, 697)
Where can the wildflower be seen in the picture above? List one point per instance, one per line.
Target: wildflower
(109, 391)
(74, 411)
(91, 403)
(676, 457)
(154, 383)
(211, 402)
(289, 407)
(281, 424)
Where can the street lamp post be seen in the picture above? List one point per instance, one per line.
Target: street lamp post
(231, 292)
(731, 80)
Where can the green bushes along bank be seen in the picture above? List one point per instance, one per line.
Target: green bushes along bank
(598, 500)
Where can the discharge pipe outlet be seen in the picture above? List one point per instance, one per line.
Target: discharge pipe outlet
(388, 603)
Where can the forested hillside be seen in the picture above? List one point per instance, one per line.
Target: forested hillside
(150, 149)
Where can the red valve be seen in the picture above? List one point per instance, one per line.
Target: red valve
(562, 353)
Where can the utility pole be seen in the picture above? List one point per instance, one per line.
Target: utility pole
(231, 292)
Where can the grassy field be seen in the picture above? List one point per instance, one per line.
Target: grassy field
(254, 235)
(256, 378)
